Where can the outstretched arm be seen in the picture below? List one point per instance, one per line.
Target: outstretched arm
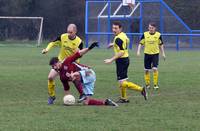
(119, 43)
(85, 50)
(80, 53)
(118, 55)
(56, 42)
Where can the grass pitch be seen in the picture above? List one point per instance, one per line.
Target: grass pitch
(23, 92)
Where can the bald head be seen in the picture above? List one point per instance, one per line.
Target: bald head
(71, 30)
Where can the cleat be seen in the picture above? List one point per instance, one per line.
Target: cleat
(148, 86)
(155, 87)
(82, 98)
(109, 102)
(121, 100)
(51, 100)
(144, 93)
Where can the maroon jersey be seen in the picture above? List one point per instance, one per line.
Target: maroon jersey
(68, 66)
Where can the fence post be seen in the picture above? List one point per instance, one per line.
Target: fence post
(177, 43)
(86, 24)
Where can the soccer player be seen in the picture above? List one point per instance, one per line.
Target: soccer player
(69, 43)
(69, 70)
(152, 41)
(121, 58)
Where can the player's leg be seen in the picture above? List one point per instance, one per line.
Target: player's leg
(123, 71)
(124, 84)
(133, 86)
(91, 101)
(88, 78)
(97, 102)
(147, 68)
(51, 85)
(79, 87)
(121, 76)
(155, 70)
(122, 68)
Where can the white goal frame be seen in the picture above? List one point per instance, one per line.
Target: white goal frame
(39, 40)
(100, 15)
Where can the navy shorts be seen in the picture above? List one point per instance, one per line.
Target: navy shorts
(151, 61)
(122, 68)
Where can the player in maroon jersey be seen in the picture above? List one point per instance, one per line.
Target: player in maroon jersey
(69, 66)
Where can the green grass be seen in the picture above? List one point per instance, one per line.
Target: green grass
(23, 92)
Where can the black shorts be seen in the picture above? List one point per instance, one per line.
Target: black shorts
(151, 61)
(122, 68)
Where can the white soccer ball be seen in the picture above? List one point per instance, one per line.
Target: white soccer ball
(69, 100)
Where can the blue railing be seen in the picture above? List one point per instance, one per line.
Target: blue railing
(191, 33)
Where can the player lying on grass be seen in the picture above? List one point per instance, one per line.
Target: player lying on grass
(87, 77)
(69, 66)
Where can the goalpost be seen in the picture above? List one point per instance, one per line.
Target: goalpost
(17, 28)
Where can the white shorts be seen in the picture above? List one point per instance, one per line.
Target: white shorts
(88, 80)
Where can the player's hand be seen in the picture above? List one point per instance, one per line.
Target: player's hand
(107, 61)
(164, 57)
(68, 74)
(94, 44)
(110, 45)
(44, 51)
(138, 53)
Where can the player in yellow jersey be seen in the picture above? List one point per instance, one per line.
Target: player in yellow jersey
(152, 42)
(121, 58)
(69, 43)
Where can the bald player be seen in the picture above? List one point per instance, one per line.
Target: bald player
(69, 43)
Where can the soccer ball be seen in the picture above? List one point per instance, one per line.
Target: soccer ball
(69, 99)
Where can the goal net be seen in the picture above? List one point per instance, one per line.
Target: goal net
(21, 30)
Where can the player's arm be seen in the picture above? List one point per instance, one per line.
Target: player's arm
(80, 45)
(73, 75)
(85, 50)
(140, 45)
(56, 42)
(119, 42)
(66, 86)
(162, 47)
(80, 53)
(110, 45)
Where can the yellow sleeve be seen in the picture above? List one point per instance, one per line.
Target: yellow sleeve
(52, 44)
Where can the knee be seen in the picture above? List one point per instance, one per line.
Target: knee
(123, 84)
(50, 78)
(155, 69)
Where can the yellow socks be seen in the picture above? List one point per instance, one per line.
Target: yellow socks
(126, 84)
(155, 78)
(147, 78)
(123, 92)
(51, 88)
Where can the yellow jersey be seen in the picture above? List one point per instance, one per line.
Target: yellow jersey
(121, 42)
(67, 46)
(151, 42)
